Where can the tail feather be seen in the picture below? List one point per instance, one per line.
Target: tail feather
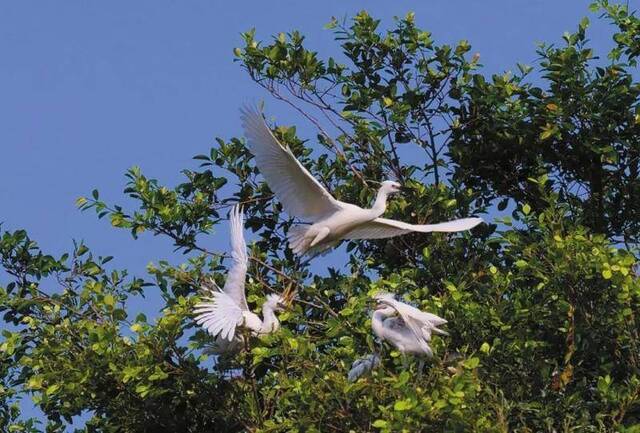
(439, 331)
(300, 242)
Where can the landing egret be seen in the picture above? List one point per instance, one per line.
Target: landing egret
(302, 196)
(223, 312)
(405, 327)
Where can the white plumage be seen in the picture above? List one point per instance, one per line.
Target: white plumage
(223, 312)
(304, 197)
(405, 327)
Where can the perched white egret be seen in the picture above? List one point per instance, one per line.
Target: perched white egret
(407, 328)
(224, 311)
(363, 365)
(304, 197)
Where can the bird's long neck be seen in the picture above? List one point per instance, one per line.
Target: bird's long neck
(380, 205)
(270, 322)
(377, 320)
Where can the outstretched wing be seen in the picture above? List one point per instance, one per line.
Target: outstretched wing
(234, 285)
(420, 323)
(299, 192)
(219, 315)
(381, 228)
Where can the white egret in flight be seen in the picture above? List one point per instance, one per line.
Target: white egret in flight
(224, 311)
(405, 327)
(302, 196)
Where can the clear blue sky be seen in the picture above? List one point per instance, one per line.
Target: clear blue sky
(88, 89)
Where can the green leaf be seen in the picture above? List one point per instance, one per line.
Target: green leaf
(545, 134)
(584, 23)
(143, 390)
(380, 423)
(51, 390)
(158, 374)
(109, 300)
(471, 363)
(403, 405)
(331, 24)
(293, 343)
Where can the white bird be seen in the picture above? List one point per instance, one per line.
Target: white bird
(405, 327)
(363, 365)
(302, 196)
(224, 311)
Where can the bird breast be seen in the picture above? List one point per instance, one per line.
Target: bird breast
(252, 321)
(342, 222)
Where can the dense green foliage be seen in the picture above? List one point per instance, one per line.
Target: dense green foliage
(542, 304)
(579, 123)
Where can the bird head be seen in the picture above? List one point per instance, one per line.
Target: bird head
(283, 301)
(390, 187)
(276, 302)
(381, 300)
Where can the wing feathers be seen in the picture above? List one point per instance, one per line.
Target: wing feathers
(299, 192)
(220, 316)
(381, 228)
(420, 323)
(234, 284)
(449, 226)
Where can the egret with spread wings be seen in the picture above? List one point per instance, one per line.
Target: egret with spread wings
(302, 196)
(405, 327)
(223, 312)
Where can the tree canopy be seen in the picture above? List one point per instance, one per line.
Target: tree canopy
(542, 303)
